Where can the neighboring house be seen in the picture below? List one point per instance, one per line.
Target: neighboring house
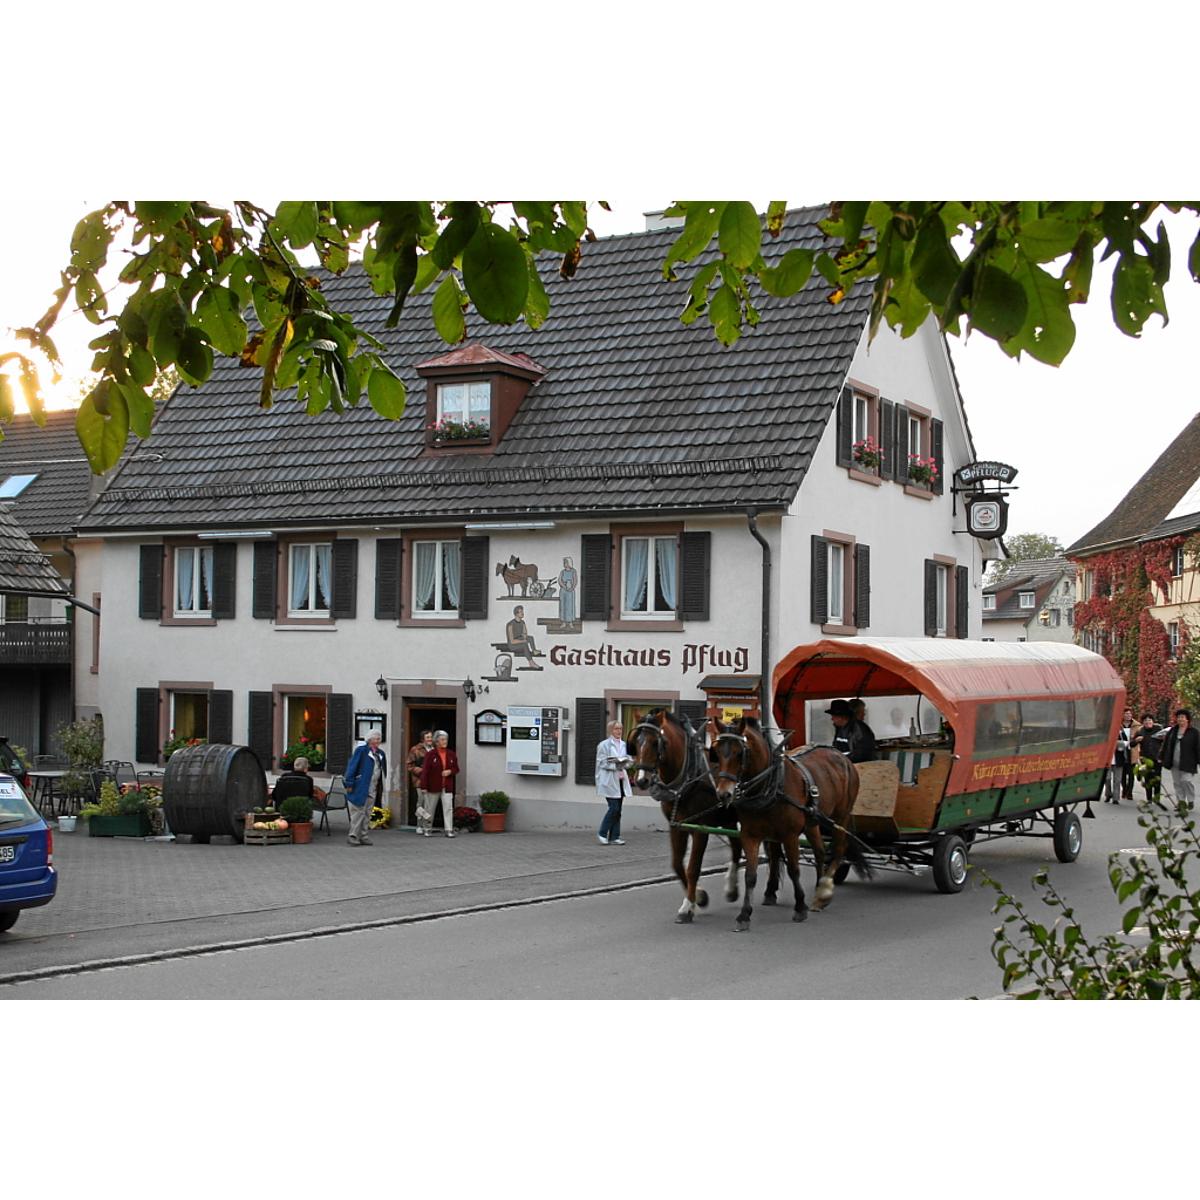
(598, 548)
(1034, 602)
(45, 485)
(1136, 585)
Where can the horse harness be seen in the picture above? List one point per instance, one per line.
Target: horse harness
(693, 770)
(761, 791)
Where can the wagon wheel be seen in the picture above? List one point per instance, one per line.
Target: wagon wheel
(536, 588)
(1068, 836)
(950, 864)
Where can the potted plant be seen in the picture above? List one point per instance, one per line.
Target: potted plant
(450, 430)
(308, 748)
(467, 818)
(867, 454)
(494, 806)
(118, 814)
(298, 811)
(922, 471)
(179, 742)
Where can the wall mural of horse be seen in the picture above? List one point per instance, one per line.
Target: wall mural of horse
(780, 796)
(670, 763)
(515, 572)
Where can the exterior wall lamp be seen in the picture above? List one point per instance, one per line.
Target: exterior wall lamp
(470, 690)
(381, 687)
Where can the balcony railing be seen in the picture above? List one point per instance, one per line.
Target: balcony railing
(35, 643)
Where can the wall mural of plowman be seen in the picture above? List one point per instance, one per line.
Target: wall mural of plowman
(559, 590)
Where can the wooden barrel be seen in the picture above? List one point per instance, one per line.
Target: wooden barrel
(207, 789)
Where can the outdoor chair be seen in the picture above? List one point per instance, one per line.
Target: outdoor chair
(121, 772)
(334, 800)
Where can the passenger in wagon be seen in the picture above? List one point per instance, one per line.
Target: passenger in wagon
(851, 737)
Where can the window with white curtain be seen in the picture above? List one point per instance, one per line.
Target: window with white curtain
(836, 604)
(193, 581)
(310, 578)
(464, 402)
(649, 576)
(437, 578)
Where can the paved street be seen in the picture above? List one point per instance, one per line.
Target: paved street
(535, 915)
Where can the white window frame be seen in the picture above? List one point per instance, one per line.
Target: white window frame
(198, 554)
(313, 609)
(173, 721)
(835, 577)
(942, 595)
(1025, 599)
(916, 436)
(1173, 635)
(476, 401)
(1177, 563)
(989, 603)
(650, 613)
(862, 416)
(437, 612)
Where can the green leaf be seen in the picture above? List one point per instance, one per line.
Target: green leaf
(386, 392)
(217, 313)
(140, 408)
(454, 238)
(195, 358)
(700, 223)
(792, 273)
(739, 235)
(160, 215)
(1135, 294)
(496, 275)
(297, 220)
(448, 303)
(1078, 271)
(935, 266)
(357, 215)
(141, 366)
(1130, 919)
(725, 313)
(537, 303)
(775, 214)
(89, 243)
(427, 272)
(998, 305)
(403, 276)
(103, 436)
(1048, 332)
(1194, 259)
(8, 408)
(167, 324)
(1047, 238)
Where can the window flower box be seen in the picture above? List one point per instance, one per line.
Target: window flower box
(867, 454)
(922, 471)
(448, 432)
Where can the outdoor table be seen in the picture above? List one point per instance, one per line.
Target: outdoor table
(41, 787)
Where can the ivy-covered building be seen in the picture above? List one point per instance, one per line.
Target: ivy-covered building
(1137, 591)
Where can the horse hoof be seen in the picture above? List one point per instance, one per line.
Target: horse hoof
(801, 914)
(732, 896)
(741, 927)
(769, 900)
(683, 918)
(701, 898)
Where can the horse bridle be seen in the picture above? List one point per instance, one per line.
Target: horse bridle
(659, 787)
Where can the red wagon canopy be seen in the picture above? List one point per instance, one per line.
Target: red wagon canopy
(951, 674)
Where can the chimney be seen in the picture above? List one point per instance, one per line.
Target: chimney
(656, 220)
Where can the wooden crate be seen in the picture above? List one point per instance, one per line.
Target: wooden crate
(267, 837)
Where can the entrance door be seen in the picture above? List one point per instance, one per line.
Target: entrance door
(419, 715)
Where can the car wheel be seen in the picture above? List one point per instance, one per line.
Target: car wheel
(8, 920)
(1068, 837)
(950, 864)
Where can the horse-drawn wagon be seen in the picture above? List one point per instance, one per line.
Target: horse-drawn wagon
(1003, 739)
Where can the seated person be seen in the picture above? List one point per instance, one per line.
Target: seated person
(296, 782)
(852, 738)
(519, 641)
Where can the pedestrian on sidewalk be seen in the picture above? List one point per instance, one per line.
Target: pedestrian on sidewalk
(364, 780)
(1125, 735)
(1148, 742)
(437, 780)
(612, 783)
(1181, 755)
(416, 759)
(1116, 767)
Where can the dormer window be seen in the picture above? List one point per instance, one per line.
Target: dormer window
(472, 395)
(989, 603)
(1025, 599)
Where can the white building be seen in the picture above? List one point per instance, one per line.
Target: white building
(1034, 602)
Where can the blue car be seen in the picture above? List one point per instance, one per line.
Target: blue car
(27, 875)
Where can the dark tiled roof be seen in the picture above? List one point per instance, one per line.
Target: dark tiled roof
(1173, 527)
(636, 412)
(54, 501)
(1039, 575)
(1152, 497)
(23, 567)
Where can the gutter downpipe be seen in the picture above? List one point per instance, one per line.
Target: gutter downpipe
(765, 687)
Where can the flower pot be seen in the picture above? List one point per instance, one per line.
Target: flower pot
(66, 824)
(123, 825)
(301, 832)
(494, 822)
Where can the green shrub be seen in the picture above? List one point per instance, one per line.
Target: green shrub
(83, 742)
(296, 808)
(494, 802)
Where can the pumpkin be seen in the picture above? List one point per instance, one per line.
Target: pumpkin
(260, 824)
(281, 824)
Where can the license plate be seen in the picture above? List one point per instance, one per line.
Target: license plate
(8, 854)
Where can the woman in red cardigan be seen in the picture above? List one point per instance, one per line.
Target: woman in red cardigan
(437, 779)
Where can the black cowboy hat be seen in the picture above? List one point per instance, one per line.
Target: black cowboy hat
(840, 708)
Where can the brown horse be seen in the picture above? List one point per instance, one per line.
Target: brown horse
(778, 797)
(670, 763)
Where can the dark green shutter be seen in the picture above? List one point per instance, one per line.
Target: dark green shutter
(595, 561)
(260, 726)
(339, 732)
(820, 581)
(962, 584)
(145, 740)
(345, 579)
(220, 717)
(150, 584)
(224, 581)
(862, 586)
(590, 717)
(473, 604)
(845, 428)
(931, 569)
(695, 554)
(887, 439)
(387, 579)
(936, 438)
(901, 419)
(263, 603)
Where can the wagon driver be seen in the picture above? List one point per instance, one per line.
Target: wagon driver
(851, 737)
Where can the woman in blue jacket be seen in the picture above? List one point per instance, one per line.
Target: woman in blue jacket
(366, 786)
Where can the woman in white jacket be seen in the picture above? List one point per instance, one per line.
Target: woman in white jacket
(612, 783)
